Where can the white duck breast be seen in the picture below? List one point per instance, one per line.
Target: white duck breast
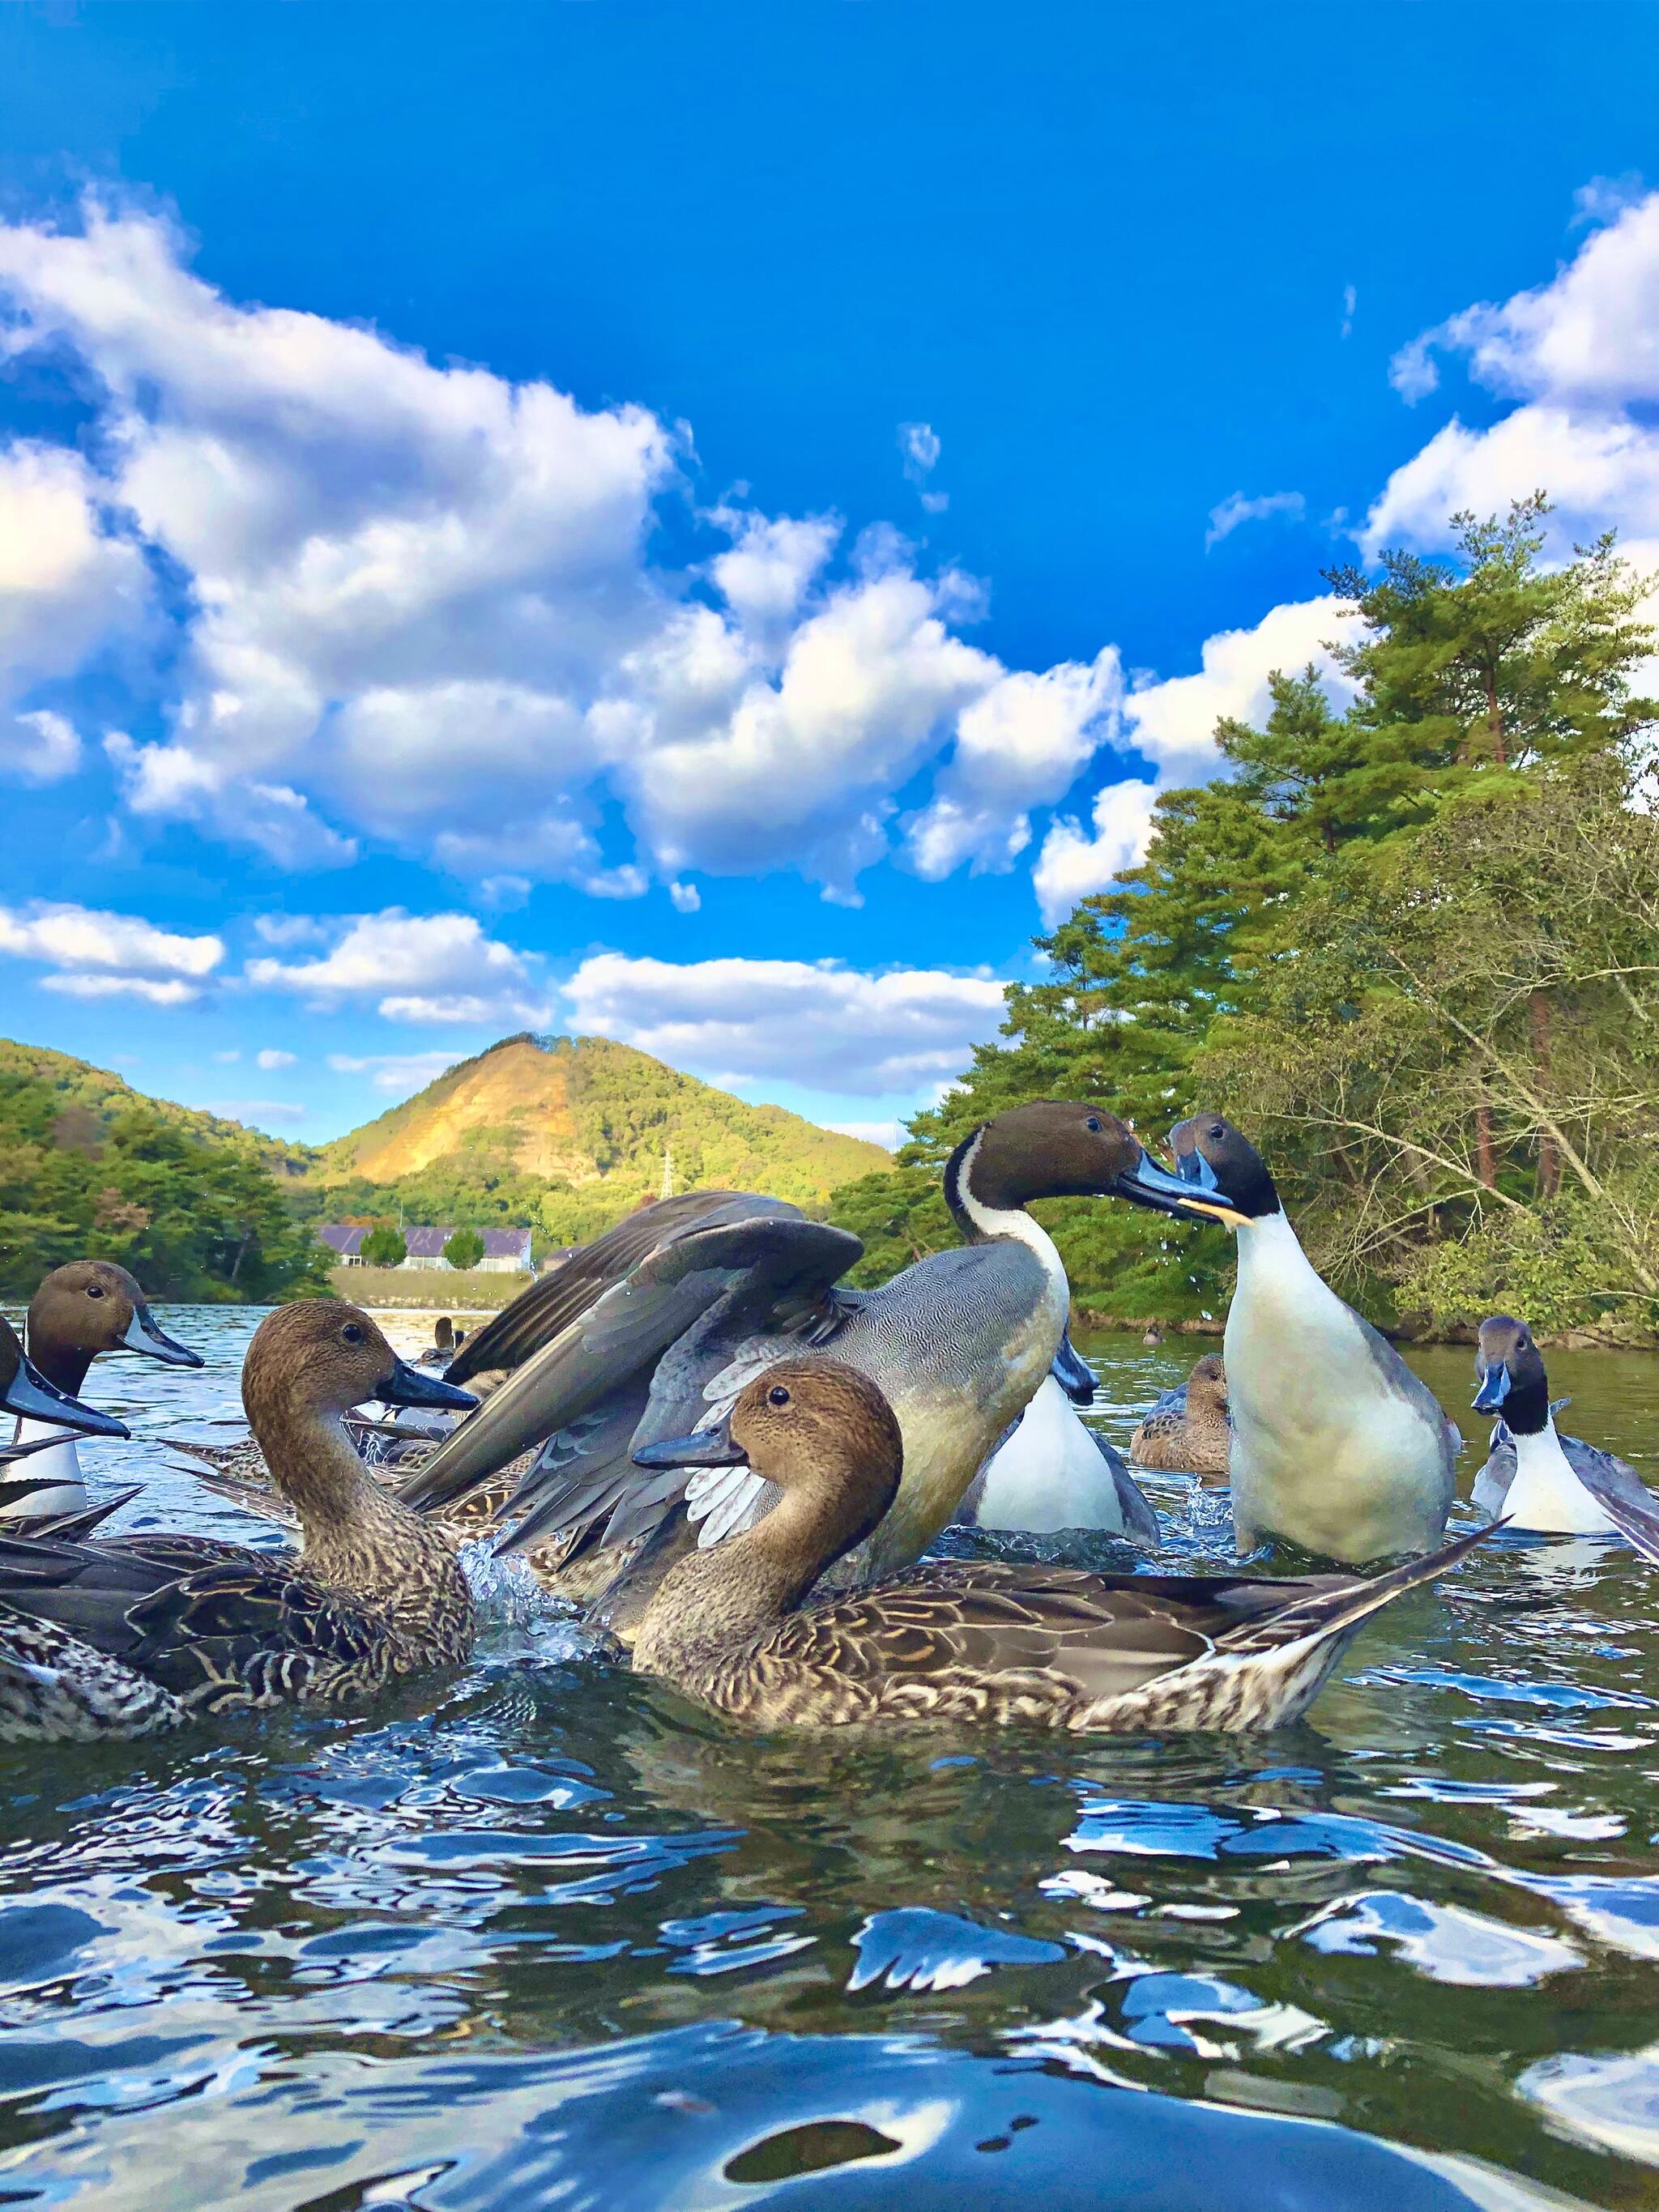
(1544, 1493)
(1336, 1445)
(1053, 1473)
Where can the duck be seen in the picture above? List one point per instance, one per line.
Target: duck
(1186, 1429)
(80, 1312)
(130, 1635)
(1538, 1478)
(1051, 1473)
(990, 1644)
(51, 1414)
(661, 1323)
(1153, 1338)
(443, 1347)
(1336, 1446)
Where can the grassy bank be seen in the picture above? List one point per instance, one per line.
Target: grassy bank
(468, 1289)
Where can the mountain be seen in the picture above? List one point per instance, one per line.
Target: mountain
(91, 1097)
(593, 1119)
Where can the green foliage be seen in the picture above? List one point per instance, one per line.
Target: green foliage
(385, 1247)
(464, 1248)
(192, 1210)
(1410, 944)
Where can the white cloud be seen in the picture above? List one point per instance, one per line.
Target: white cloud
(69, 587)
(1350, 301)
(687, 898)
(1173, 722)
(920, 444)
(734, 1020)
(271, 1058)
(227, 1059)
(1019, 744)
(418, 968)
(1605, 198)
(1581, 355)
(284, 930)
(1073, 863)
(889, 1135)
(96, 955)
(421, 608)
(399, 1074)
(1237, 508)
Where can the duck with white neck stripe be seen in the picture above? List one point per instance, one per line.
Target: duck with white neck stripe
(1538, 1478)
(959, 1343)
(1336, 1445)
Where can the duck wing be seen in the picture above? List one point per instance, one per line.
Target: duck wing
(1621, 1492)
(778, 1267)
(540, 1312)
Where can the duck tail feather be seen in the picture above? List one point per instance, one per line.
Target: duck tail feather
(1333, 1603)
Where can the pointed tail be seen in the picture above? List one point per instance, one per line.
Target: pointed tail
(1335, 1605)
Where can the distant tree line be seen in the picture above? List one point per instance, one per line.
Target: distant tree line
(1410, 943)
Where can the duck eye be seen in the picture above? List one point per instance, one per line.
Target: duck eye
(95, 1290)
(1093, 1122)
(777, 1396)
(352, 1333)
(1218, 1132)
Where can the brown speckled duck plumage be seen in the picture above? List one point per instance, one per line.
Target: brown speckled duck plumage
(1186, 1431)
(987, 1643)
(138, 1633)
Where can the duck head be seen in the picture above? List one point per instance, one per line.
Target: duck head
(25, 1391)
(1225, 1178)
(1206, 1386)
(1509, 1369)
(89, 1307)
(323, 1356)
(821, 1432)
(1058, 1149)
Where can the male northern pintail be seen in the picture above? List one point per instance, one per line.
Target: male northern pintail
(81, 1311)
(1001, 1644)
(1336, 1445)
(643, 1337)
(135, 1634)
(1533, 1476)
(1051, 1473)
(1186, 1429)
(50, 1415)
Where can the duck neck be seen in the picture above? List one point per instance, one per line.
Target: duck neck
(354, 1535)
(65, 1366)
(711, 1600)
(1545, 1492)
(987, 1217)
(1270, 1251)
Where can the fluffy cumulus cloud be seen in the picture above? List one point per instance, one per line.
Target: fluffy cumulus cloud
(413, 968)
(1076, 862)
(69, 587)
(398, 1074)
(93, 955)
(1580, 355)
(419, 610)
(1173, 723)
(737, 1021)
(1237, 509)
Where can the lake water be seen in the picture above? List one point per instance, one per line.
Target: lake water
(545, 1935)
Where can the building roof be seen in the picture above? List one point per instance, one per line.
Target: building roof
(427, 1243)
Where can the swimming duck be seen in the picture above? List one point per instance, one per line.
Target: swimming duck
(1537, 1478)
(27, 1393)
(661, 1324)
(1336, 1445)
(1153, 1338)
(81, 1311)
(1044, 1647)
(1186, 1429)
(139, 1633)
(444, 1345)
(1051, 1473)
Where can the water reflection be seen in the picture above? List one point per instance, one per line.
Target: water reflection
(542, 1933)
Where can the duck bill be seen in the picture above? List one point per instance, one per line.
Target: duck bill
(1205, 1198)
(1494, 1389)
(142, 1336)
(707, 1448)
(1147, 1184)
(407, 1386)
(32, 1398)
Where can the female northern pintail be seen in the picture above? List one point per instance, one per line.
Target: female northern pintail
(81, 1311)
(1186, 1429)
(135, 1634)
(659, 1325)
(1007, 1645)
(1538, 1478)
(1051, 1473)
(1336, 1445)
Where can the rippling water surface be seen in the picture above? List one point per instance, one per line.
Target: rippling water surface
(543, 1934)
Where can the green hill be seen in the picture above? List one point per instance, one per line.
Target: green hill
(568, 1134)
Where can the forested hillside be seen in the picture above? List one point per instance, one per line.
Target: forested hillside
(194, 1205)
(1411, 944)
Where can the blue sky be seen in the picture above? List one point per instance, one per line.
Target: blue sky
(709, 524)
